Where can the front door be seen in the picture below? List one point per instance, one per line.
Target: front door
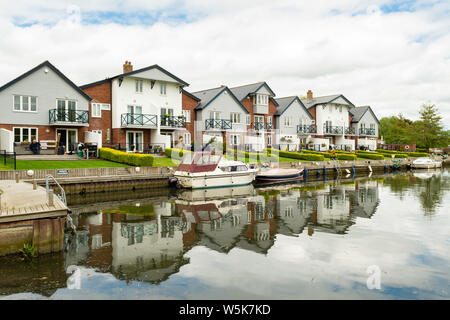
(135, 141)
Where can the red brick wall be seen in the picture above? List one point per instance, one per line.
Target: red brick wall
(248, 104)
(100, 93)
(42, 130)
(187, 103)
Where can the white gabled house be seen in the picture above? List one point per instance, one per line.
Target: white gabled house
(293, 122)
(365, 124)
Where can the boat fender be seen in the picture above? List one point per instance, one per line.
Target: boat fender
(348, 171)
(324, 170)
(370, 168)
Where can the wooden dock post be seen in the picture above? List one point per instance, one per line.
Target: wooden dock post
(51, 194)
(34, 184)
(17, 177)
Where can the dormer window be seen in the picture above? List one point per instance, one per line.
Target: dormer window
(261, 99)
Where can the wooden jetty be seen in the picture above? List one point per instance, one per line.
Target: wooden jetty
(30, 215)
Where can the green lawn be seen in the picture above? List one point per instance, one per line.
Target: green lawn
(38, 164)
(165, 162)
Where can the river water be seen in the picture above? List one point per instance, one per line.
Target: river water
(384, 237)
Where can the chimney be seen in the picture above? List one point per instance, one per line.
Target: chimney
(309, 94)
(222, 86)
(127, 67)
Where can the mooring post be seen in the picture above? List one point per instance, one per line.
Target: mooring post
(17, 177)
(34, 184)
(50, 197)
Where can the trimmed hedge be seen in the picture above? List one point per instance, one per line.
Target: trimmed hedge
(265, 155)
(178, 152)
(342, 156)
(417, 154)
(134, 159)
(301, 156)
(422, 150)
(324, 154)
(370, 155)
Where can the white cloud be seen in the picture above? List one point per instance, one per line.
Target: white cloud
(392, 61)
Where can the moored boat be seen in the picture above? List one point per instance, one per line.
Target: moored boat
(277, 175)
(426, 163)
(202, 170)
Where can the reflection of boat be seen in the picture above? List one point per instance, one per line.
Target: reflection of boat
(426, 163)
(277, 175)
(216, 193)
(424, 175)
(205, 170)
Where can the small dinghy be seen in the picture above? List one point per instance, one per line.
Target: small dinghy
(277, 175)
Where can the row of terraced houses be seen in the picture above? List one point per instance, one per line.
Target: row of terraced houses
(150, 109)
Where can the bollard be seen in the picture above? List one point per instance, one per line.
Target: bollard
(50, 197)
(353, 170)
(305, 174)
(34, 184)
(17, 177)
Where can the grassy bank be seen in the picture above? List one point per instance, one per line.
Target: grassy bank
(44, 164)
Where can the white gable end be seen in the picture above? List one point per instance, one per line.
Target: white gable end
(154, 74)
(263, 90)
(340, 100)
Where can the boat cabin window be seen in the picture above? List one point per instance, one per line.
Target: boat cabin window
(234, 168)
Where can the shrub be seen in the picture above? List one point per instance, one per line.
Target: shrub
(422, 150)
(417, 154)
(370, 155)
(324, 154)
(134, 159)
(301, 156)
(177, 153)
(343, 156)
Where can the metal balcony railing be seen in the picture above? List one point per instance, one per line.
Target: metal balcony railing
(306, 128)
(366, 132)
(350, 130)
(218, 124)
(69, 116)
(268, 126)
(258, 125)
(136, 119)
(333, 129)
(173, 122)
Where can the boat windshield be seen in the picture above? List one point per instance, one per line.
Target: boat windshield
(199, 162)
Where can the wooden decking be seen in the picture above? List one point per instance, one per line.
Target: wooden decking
(20, 202)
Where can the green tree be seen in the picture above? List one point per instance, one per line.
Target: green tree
(396, 129)
(428, 130)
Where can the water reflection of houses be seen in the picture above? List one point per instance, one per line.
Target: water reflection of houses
(338, 205)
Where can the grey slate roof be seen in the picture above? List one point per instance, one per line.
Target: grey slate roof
(243, 91)
(206, 96)
(155, 66)
(59, 73)
(358, 113)
(285, 102)
(309, 103)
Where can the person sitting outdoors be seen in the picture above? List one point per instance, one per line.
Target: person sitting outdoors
(35, 147)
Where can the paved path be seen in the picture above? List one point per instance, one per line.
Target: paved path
(51, 157)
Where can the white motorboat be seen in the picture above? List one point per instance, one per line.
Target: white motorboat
(202, 170)
(426, 163)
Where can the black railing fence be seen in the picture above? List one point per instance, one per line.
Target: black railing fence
(71, 116)
(8, 160)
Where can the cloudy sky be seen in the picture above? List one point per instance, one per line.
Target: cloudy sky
(392, 55)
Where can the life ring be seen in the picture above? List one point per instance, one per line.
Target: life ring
(406, 147)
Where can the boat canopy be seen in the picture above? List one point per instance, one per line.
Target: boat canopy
(199, 162)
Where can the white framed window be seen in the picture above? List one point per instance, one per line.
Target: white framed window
(187, 138)
(288, 121)
(269, 140)
(139, 85)
(24, 103)
(248, 119)
(235, 139)
(163, 89)
(214, 115)
(106, 106)
(187, 115)
(25, 134)
(235, 117)
(96, 110)
(372, 126)
(269, 119)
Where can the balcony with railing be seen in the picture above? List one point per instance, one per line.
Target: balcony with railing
(258, 126)
(218, 124)
(366, 131)
(350, 131)
(173, 122)
(69, 117)
(333, 130)
(137, 120)
(306, 129)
